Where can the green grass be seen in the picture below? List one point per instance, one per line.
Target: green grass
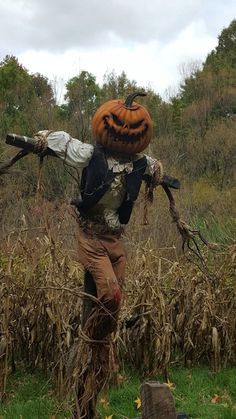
(219, 230)
(30, 396)
(195, 390)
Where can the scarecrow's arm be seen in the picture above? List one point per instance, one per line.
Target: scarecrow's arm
(58, 144)
(154, 177)
(72, 151)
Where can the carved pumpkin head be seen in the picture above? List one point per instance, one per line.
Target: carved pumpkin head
(123, 126)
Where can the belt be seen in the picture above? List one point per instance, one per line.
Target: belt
(94, 228)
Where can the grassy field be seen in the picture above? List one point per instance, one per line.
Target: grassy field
(199, 392)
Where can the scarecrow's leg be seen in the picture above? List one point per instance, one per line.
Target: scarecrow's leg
(87, 307)
(88, 303)
(104, 261)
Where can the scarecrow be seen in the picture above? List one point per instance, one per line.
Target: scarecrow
(112, 171)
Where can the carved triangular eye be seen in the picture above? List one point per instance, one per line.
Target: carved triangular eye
(136, 124)
(117, 120)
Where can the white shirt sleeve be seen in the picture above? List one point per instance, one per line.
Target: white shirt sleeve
(72, 151)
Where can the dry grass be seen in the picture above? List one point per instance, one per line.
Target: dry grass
(185, 314)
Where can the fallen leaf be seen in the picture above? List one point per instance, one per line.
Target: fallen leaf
(121, 378)
(216, 399)
(170, 385)
(104, 402)
(138, 403)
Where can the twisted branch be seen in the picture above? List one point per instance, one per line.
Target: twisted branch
(188, 234)
(5, 166)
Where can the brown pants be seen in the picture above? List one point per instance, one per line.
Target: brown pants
(104, 257)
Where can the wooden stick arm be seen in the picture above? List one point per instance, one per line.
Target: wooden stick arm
(26, 143)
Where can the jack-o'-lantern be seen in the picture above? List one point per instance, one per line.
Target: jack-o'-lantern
(123, 126)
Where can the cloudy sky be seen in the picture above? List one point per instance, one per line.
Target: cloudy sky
(155, 42)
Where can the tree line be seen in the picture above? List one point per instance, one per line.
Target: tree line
(194, 131)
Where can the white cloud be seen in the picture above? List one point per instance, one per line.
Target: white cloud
(148, 40)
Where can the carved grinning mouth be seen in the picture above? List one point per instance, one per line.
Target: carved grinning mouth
(125, 138)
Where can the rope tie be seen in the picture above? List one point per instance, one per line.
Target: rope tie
(41, 143)
(87, 339)
(154, 181)
(159, 173)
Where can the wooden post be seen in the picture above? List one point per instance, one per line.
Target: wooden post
(157, 401)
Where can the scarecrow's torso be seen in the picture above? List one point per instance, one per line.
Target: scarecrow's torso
(78, 155)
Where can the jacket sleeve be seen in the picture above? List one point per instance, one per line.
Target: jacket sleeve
(74, 153)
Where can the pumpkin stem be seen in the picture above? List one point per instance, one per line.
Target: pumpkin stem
(130, 98)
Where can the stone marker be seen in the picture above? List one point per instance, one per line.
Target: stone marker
(157, 401)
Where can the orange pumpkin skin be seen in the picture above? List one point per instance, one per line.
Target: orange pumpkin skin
(123, 126)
